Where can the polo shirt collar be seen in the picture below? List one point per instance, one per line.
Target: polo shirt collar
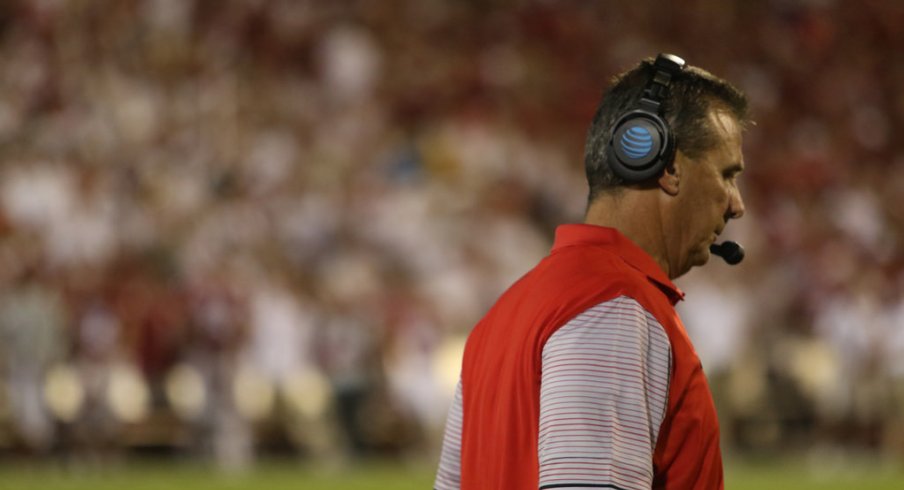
(610, 238)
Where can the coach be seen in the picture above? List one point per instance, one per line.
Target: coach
(582, 375)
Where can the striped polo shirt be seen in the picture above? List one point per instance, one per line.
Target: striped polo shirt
(582, 376)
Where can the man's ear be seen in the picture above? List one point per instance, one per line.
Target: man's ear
(670, 179)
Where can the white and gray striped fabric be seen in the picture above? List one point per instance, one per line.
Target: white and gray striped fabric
(448, 476)
(603, 396)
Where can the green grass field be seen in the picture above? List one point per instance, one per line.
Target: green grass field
(375, 476)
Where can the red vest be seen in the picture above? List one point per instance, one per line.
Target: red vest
(502, 362)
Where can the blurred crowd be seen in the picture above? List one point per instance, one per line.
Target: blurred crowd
(231, 226)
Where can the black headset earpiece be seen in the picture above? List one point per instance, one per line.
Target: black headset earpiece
(641, 144)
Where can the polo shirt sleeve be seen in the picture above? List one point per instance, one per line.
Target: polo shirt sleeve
(603, 396)
(448, 476)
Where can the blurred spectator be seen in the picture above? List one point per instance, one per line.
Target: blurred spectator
(218, 316)
(32, 339)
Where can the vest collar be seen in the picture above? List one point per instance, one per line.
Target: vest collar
(612, 239)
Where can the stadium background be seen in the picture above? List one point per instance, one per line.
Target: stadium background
(243, 240)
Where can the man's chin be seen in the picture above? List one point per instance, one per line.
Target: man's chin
(701, 258)
(698, 258)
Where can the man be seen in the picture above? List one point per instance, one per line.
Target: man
(582, 375)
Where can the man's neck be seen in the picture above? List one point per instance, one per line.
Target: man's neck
(635, 214)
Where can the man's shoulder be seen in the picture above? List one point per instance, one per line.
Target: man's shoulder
(594, 268)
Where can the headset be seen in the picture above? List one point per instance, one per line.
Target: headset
(642, 144)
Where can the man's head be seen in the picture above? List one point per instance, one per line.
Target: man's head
(696, 193)
(691, 95)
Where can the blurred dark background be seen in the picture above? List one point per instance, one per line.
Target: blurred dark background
(247, 227)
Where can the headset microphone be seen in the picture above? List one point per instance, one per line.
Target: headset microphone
(731, 252)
